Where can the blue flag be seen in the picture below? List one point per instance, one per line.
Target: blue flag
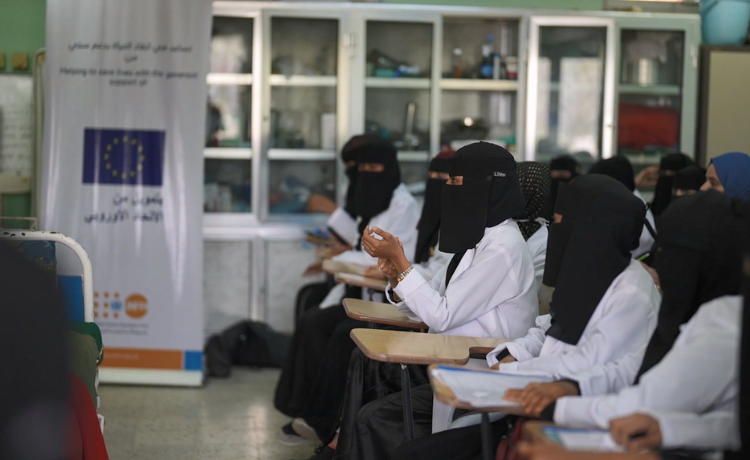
(123, 157)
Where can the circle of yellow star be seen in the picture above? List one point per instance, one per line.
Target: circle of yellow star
(141, 158)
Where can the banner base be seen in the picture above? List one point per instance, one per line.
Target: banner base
(129, 376)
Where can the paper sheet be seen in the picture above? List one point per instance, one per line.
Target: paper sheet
(483, 388)
(583, 439)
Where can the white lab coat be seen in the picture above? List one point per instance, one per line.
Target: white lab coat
(698, 376)
(538, 247)
(344, 225)
(646, 240)
(622, 322)
(433, 265)
(491, 293)
(400, 219)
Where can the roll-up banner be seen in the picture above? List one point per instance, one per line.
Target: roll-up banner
(125, 95)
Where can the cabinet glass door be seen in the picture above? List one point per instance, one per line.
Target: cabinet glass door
(400, 90)
(228, 146)
(303, 81)
(571, 89)
(479, 84)
(650, 93)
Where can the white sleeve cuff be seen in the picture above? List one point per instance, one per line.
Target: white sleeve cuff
(492, 356)
(574, 411)
(409, 284)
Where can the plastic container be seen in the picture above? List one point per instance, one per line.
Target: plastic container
(724, 22)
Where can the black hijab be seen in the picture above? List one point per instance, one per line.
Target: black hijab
(375, 189)
(689, 178)
(535, 184)
(429, 222)
(617, 168)
(490, 195)
(668, 167)
(561, 163)
(349, 153)
(588, 249)
(698, 259)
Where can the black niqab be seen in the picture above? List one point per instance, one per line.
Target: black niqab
(698, 259)
(617, 168)
(668, 167)
(375, 189)
(535, 184)
(561, 163)
(689, 178)
(490, 194)
(429, 222)
(349, 153)
(588, 249)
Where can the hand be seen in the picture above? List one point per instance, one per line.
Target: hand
(335, 249)
(636, 432)
(320, 203)
(389, 271)
(374, 272)
(388, 248)
(507, 359)
(537, 396)
(313, 269)
(654, 275)
(647, 177)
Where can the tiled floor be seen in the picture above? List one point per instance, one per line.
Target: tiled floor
(230, 418)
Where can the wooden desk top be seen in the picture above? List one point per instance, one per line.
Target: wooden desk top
(415, 348)
(381, 313)
(446, 396)
(362, 281)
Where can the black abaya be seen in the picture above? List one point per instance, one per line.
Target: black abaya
(305, 359)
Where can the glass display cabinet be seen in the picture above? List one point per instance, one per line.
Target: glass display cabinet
(290, 83)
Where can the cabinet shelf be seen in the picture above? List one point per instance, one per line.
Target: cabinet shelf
(301, 154)
(465, 84)
(403, 83)
(238, 79)
(655, 90)
(303, 80)
(228, 153)
(413, 156)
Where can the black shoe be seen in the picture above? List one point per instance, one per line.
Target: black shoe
(289, 437)
(323, 452)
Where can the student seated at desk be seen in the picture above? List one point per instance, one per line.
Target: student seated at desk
(342, 222)
(535, 184)
(619, 168)
(604, 304)
(700, 243)
(487, 290)
(380, 199)
(325, 396)
(729, 173)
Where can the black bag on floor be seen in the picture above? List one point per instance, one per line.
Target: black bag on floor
(247, 343)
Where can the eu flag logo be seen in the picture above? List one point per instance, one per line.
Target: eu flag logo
(123, 157)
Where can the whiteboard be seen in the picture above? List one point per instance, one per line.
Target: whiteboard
(16, 124)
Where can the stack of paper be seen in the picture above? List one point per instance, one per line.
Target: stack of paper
(337, 266)
(484, 388)
(582, 439)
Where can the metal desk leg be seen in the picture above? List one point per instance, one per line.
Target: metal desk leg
(486, 437)
(406, 392)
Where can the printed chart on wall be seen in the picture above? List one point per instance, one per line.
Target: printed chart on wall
(124, 120)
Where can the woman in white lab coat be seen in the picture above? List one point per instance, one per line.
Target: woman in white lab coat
(535, 183)
(700, 240)
(327, 391)
(379, 199)
(487, 290)
(604, 304)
